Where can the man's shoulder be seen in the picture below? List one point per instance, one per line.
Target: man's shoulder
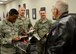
(38, 21)
(49, 21)
(72, 21)
(65, 19)
(1, 23)
(28, 19)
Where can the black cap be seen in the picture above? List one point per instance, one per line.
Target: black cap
(13, 11)
(42, 9)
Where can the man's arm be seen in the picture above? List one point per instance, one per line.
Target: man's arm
(62, 36)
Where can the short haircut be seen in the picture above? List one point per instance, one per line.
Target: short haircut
(13, 12)
(42, 9)
(62, 6)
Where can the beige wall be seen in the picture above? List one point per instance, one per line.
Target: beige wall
(72, 6)
(13, 4)
(33, 4)
(36, 4)
(2, 9)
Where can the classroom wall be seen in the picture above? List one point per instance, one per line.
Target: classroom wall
(72, 6)
(30, 4)
(2, 11)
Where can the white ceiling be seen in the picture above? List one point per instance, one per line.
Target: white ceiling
(5, 1)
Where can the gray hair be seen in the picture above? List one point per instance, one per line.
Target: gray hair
(62, 6)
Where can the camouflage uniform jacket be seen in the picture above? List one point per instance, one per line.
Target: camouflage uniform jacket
(24, 24)
(8, 31)
(42, 28)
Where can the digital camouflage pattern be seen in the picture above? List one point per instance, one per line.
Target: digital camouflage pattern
(8, 31)
(24, 24)
(42, 28)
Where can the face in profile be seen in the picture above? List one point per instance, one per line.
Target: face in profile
(43, 14)
(55, 13)
(13, 18)
(21, 11)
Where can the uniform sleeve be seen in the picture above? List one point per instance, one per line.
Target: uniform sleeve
(3, 40)
(50, 23)
(36, 27)
(30, 24)
(36, 35)
(30, 27)
(0, 33)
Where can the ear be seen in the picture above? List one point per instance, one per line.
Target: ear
(24, 5)
(57, 12)
(19, 6)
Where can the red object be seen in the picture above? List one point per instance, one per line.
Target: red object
(17, 38)
(25, 41)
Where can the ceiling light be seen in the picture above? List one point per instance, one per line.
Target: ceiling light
(1, 2)
(4, 0)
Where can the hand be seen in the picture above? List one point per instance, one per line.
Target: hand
(17, 38)
(31, 31)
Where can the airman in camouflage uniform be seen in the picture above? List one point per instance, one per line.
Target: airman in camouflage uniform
(23, 23)
(8, 32)
(42, 27)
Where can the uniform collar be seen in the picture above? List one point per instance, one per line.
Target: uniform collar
(21, 17)
(43, 20)
(8, 23)
(64, 14)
